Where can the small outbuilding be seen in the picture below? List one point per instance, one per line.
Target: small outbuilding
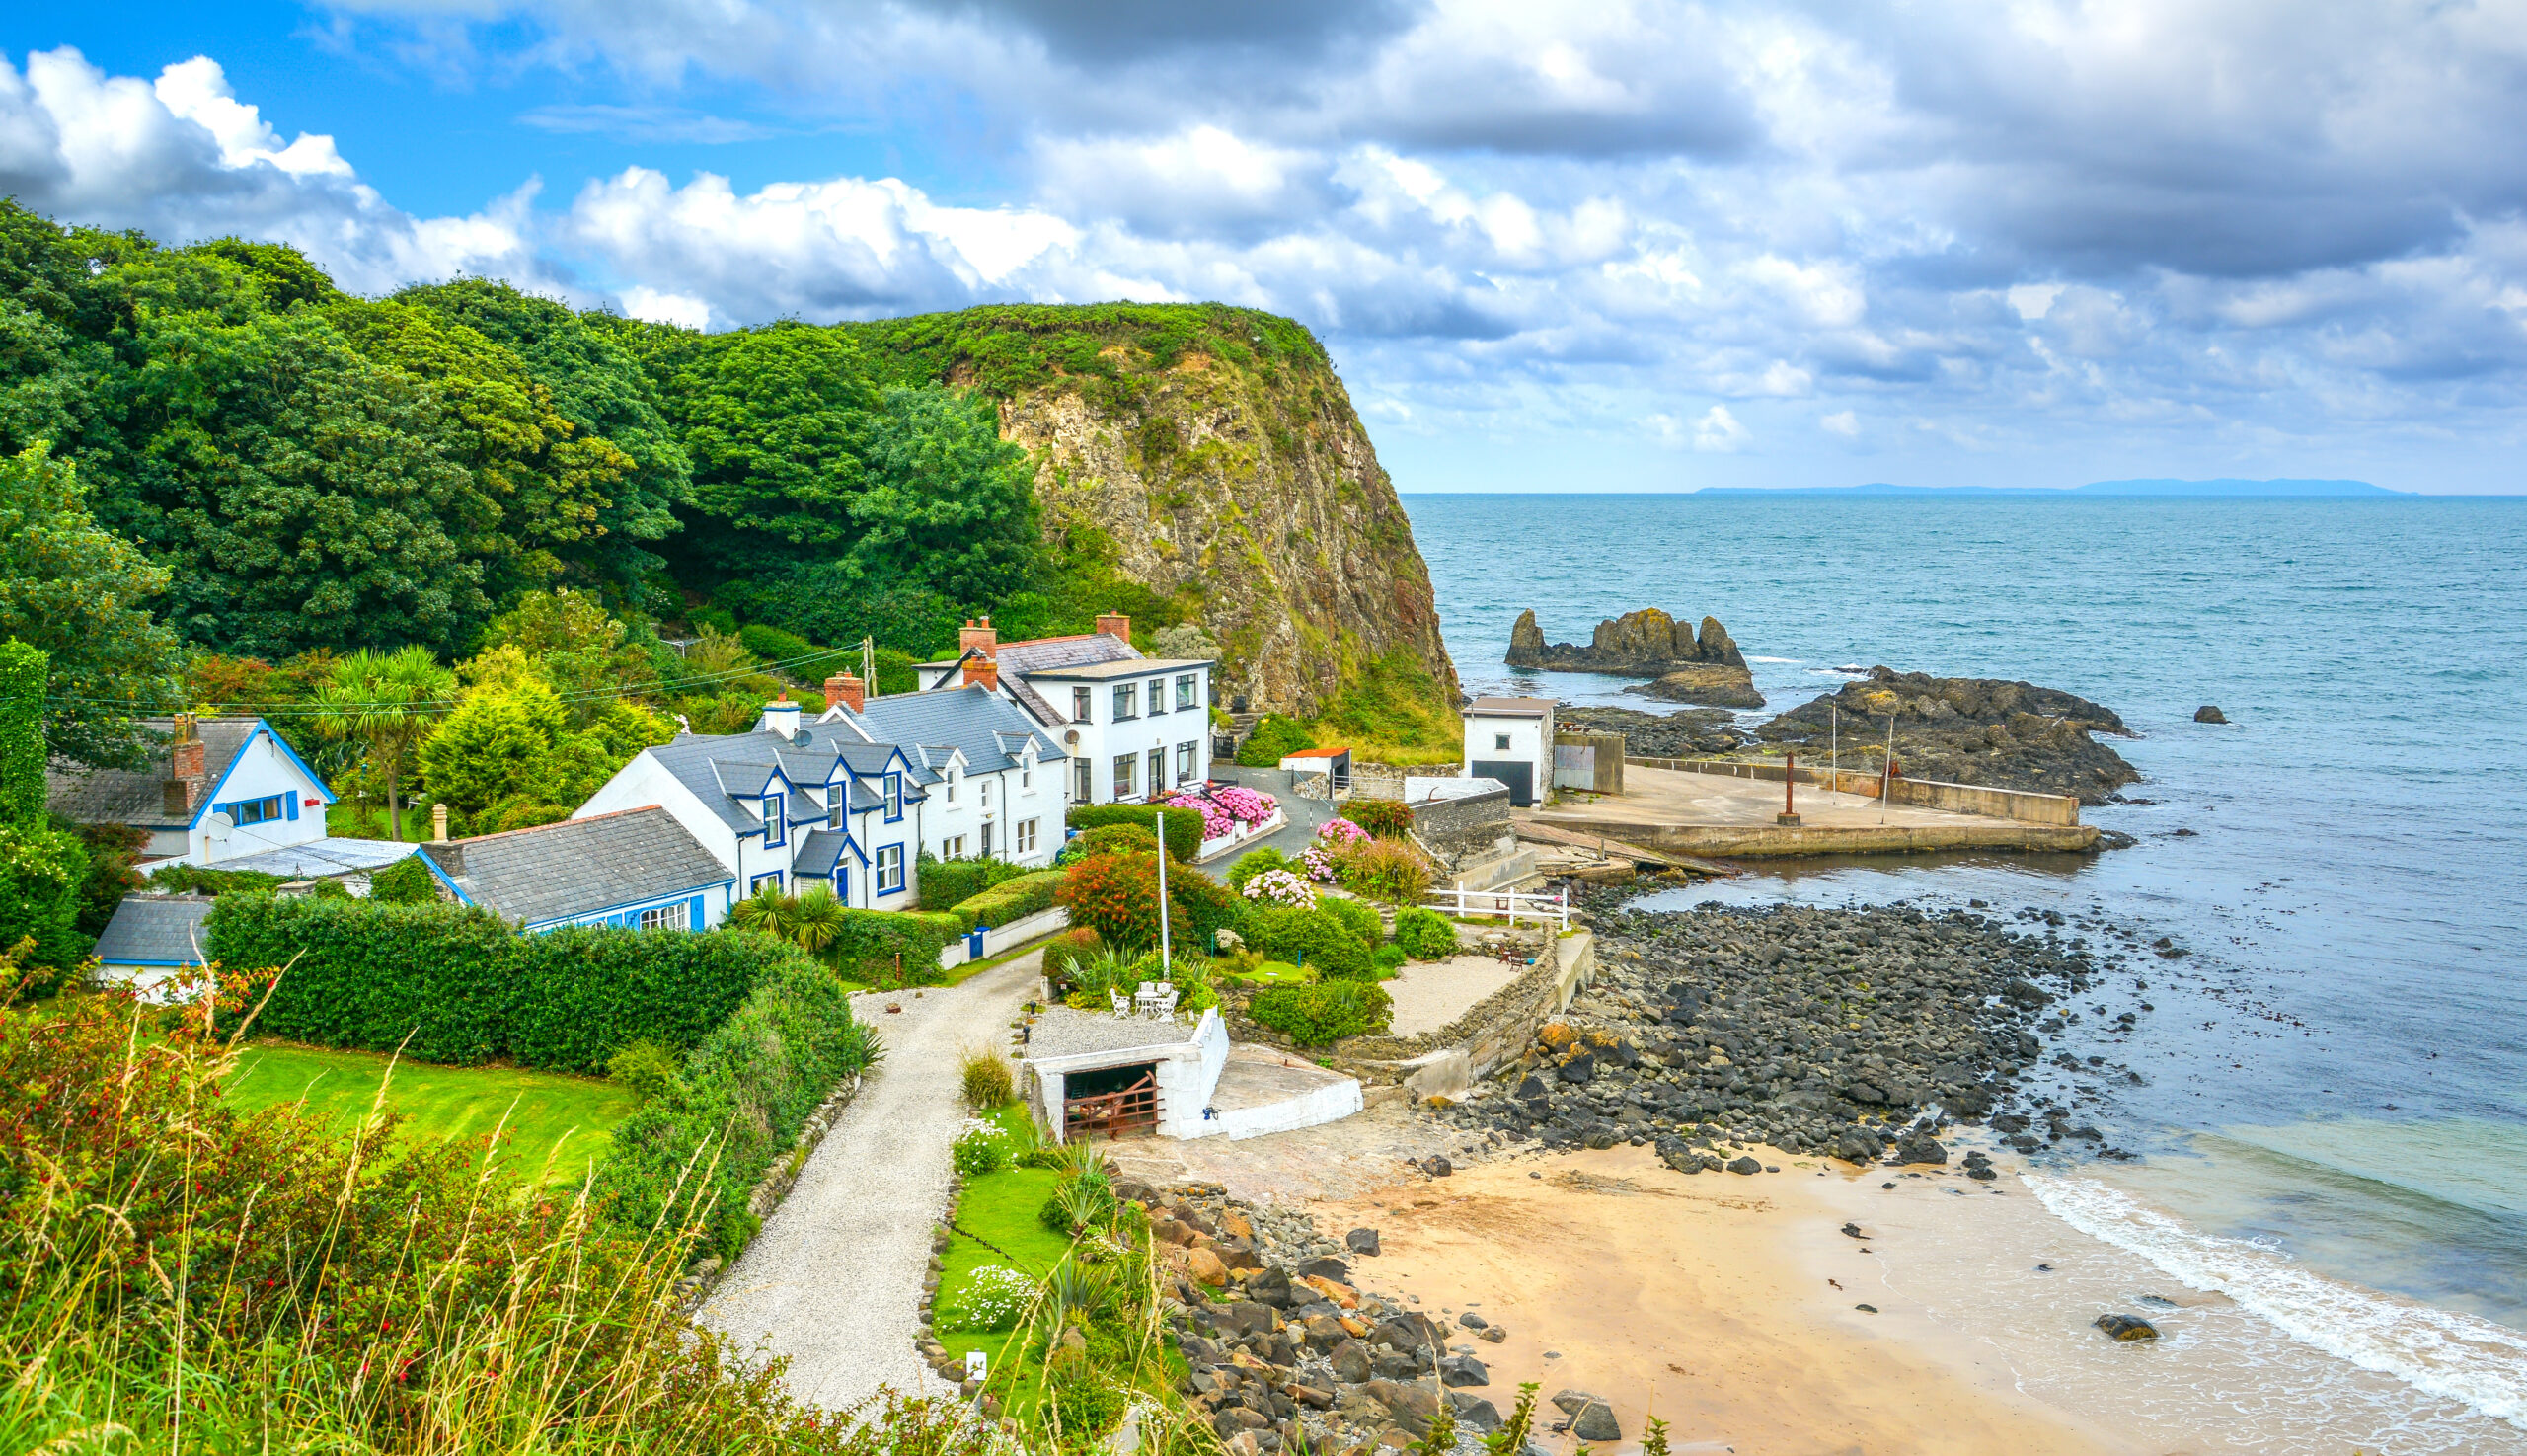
(1511, 741)
(1332, 765)
(153, 937)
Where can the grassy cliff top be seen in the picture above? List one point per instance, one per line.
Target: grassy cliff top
(1009, 347)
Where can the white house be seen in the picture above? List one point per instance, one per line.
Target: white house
(1511, 739)
(1131, 725)
(992, 781)
(638, 869)
(218, 789)
(786, 805)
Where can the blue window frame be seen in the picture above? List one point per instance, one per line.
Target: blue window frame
(890, 870)
(895, 798)
(261, 810)
(776, 825)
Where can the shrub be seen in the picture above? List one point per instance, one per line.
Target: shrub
(1340, 833)
(1424, 934)
(645, 1068)
(893, 947)
(1111, 839)
(1253, 862)
(466, 988)
(1274, 738)
(1282, 887)
(1357, 918)
(984, 1074)
(1312, 937)
(1384, 869)
(1184, 825)
(1066, 950)
(1387, 958)
(747, 1089)
(406, 882)
(947, 883)
(1116, 896)
(979, 1147)
(193, 879)
(41, 872)
(1387, 818)
(1011, 899)
(1323, 1012)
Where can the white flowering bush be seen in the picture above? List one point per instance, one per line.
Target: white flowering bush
(980, 1147)
(1321, 865)
(1282, 887)
(993, 1298)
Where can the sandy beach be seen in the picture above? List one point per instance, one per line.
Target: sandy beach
(1693, 1298)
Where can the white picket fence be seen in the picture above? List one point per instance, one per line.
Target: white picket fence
(1553, 908)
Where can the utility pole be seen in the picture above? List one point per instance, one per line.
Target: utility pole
(1887, 774)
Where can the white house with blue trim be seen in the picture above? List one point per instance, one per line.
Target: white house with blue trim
(638, 869)
(218, 789)
(788, 805)
(993, 784)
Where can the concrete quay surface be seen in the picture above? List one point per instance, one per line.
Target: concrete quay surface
(1713, 814)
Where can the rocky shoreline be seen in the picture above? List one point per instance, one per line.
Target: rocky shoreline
(1689, 732)
(1966, 731)
(1855, 1033)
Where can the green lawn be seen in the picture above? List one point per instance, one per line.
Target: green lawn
(1273, 973)
(567, 1120)
(1001, 1207)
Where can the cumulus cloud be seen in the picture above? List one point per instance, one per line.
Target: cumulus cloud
(1718, 432)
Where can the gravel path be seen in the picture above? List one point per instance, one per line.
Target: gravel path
(833, 1281)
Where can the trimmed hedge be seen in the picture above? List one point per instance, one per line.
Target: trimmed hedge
(744, 1093)
(1357, 918)
(1323, 1012)
(467, 988)
(869, 944)
(948, 884)
(1308, 938)
(1113, 839)
(1183, 831)
(1011, 899)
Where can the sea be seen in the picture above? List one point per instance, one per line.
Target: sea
(2331, 1104)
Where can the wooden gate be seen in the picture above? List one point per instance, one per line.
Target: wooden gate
(1132, 1109)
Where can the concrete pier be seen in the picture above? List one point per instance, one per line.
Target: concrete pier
(1731, 811)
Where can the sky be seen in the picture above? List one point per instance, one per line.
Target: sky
(1620, 245)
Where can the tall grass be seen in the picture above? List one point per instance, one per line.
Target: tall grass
(177, 1276)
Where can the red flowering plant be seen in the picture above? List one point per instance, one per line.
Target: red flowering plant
(1116, 896)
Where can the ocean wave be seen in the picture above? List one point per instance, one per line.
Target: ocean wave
(1776, 660)
(2458, 1357)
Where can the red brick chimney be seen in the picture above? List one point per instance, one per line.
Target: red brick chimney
(1116, 625)
(188, 771)
(984, 638)
(983, 670)
(845, 689)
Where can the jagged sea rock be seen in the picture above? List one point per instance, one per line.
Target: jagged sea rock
(1647, 643)
(1967, 731)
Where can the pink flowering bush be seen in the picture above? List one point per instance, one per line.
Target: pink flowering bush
(1246, 806)
(1324, 866)
(1216, 822)
(1282, 887)
(1340, 833)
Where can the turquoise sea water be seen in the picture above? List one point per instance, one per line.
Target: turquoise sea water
(2335, 1072)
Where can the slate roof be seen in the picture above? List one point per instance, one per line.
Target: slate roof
(1120, 667)
(577, 867)
(724, 769)
(1018, 660)
(820, 849)
(156, 930)
(987, 727)
(126, 797)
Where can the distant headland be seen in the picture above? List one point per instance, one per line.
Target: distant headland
(2214, 488)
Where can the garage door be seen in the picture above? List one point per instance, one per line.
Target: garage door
(1520, 777)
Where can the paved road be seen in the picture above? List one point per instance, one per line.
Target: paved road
(1304, 814)
(834, 1279)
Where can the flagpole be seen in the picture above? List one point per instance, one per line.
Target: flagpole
(1166, 965)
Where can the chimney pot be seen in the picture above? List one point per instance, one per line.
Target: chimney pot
(438, 823)
(1116, 625)
(847, 690)
(980, 638)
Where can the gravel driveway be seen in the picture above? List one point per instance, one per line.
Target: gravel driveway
(833, 1281)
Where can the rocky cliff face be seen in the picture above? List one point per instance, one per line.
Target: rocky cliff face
(1238, 482)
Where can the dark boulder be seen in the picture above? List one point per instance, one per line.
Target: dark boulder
(1579, 1069)
(2126, 1327)
(1327, 1268)
(1745, 1165)
(2209, 713)
(1475, 1412)
(1351, 1362)
(1361, 1241)
(1859, 1145)
(1462, 1370)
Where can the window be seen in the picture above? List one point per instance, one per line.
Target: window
(257, 811)
(890, 870)
(1079, 700)
(765, 884)
(1126, 765)
(1185, 762)
(775, 827)
(953, 847)
(1501, 743)
(665, 917)
(1083, 782)
(1127, 697)
(952, 786)
(836, 796)
(1184, 692)
(1157, 769)
(986, 793)
(1026, 770)
(1026, 844)
(895, 798)
(1158, 697)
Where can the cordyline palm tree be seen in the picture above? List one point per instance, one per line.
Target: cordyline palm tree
(387, 702)
(809, 920)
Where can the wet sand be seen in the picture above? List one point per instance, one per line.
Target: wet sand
(1695, 1298)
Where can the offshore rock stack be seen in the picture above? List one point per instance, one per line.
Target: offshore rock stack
(1855, 1033)
(1647, 643)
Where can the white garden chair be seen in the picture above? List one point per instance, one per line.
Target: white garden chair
(1121, 1006)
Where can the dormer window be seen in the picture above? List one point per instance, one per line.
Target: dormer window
(1027, 769)
(774, 825)
(895, 798)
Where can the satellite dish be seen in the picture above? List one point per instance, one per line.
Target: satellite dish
(1071, 738)
(220, 824)
(802, 738)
